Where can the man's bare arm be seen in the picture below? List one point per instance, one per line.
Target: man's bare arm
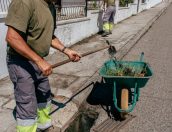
(73, 55)
(56, 43)
(19, 45)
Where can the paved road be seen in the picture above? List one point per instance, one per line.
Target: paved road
(154, 110)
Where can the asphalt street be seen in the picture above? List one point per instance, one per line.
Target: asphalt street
(154, 109)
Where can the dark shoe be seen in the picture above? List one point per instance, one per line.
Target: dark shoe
(50, 129)
(105, 34)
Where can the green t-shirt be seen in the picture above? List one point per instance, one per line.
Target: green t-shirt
(34, 19)
(110, 2)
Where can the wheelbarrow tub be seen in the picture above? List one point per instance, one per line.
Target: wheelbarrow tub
(125, 81)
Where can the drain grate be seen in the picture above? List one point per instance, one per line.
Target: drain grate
(110, 125)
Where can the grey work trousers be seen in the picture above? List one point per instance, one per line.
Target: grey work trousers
(30, 86)
(109, 14)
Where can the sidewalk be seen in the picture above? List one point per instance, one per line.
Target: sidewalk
(68, 79)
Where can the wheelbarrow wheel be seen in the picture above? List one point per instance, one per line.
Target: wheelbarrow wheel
(124, 102)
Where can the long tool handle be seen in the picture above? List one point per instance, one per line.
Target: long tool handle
(84, 54)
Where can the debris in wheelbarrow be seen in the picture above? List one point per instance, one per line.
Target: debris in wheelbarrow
(126, 69)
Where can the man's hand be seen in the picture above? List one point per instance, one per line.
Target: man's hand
(73, 55)
(44, 66)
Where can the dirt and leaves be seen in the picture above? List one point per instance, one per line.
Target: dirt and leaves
(126, 69)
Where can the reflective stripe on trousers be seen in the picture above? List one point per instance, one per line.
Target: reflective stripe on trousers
(44, 119)
(29, 125)
(42, 122)
(108, 27)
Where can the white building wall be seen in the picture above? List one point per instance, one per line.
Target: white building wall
(72, 31)
(133, 8)
(3, 68)
(124, 12)
(151, 3)
(143, 6)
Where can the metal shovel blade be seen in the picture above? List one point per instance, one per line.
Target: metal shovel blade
(112, 50)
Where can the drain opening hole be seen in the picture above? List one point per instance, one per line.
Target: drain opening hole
(83, 122)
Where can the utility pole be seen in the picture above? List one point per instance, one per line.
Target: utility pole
(86, 7)
(138, 5)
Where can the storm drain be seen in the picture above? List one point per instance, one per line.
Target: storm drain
(110, 125)
(83, 122)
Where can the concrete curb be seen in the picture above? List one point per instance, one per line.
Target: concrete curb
(122, 52)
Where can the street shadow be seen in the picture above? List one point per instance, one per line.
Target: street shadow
(62, 105)
(102, 94)
(14, 112)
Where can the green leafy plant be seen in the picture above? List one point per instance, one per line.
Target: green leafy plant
(94, 4)
(124, 3)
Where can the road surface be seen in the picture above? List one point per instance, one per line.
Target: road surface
(154, 109)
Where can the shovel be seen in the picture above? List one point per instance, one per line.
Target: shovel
(111, 49)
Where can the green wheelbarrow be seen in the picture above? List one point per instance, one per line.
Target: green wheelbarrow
(127, 77)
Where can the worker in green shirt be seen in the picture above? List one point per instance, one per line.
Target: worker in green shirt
(108, 17)
(30, 34)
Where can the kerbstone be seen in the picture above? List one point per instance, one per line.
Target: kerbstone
(2, 100)
(10, 105)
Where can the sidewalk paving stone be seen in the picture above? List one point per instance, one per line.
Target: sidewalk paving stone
(6, 87)
(10, 105)
(3, 100)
